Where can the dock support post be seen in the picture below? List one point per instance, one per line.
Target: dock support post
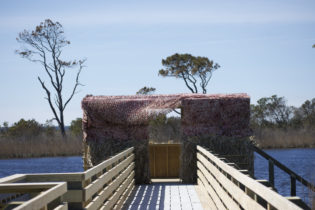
(271, 174)
(293, 185)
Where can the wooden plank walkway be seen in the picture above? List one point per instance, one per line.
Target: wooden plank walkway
(110, 185)
(172, 196)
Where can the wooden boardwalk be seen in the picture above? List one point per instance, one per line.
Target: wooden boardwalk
(172, 196)
(111, 185)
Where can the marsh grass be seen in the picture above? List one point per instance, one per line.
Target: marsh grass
(165, 130)
(40, 146)
(278, 138)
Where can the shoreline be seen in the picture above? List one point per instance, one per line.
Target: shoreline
(270, 148)
(43, 156)
(81, 155)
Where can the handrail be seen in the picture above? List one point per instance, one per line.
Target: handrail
(294, 176)
(243, 189)
(111, 180)
(46, 192)
(98, 168)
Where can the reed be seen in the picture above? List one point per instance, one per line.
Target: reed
(40, 146)
(290, 138)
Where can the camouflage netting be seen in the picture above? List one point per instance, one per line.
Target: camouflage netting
(234, 149)
(113, 123)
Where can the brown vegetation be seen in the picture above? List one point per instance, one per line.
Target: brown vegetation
(40, 146)
(278, 138)
(28, 138)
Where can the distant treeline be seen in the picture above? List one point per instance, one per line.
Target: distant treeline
(274, 125)
(277, 125)
(28, 138)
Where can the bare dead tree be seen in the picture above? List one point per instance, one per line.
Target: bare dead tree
(44, 45)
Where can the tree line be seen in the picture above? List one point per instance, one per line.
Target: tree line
(273, 112)
(269, 112)
(31, 129)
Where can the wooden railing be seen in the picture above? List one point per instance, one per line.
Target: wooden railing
(43, 195)
(104, 186)
(293, 176)
(228, 188)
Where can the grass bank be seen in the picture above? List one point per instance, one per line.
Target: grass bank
(41, 146)
(278, 138)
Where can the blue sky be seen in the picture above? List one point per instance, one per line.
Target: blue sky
(263, 47)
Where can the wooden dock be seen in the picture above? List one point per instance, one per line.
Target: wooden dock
(164, 195)
(111, 185)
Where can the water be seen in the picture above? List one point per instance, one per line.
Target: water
(41, 165)
(301, 161)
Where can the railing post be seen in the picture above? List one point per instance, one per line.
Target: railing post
(271, 173)
(293, 185)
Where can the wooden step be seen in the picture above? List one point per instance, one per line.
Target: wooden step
(299, 202)
(244, 171)
(264, 182)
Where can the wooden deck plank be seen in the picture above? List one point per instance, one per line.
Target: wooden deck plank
(164, 196)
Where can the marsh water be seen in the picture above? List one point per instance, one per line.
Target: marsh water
(40, 165)
(302, 161)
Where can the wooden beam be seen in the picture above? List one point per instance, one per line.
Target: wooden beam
(273, 198)
(44, 198)
(237, 193)
(271, 173)
(12, 178)
(26, 187)
(227, 200)
(98, 201)
(284, 168)
(293, 185)
(118, 192)
(55, 177)
(125, 194)
(91, 172)
(63, 206)
(212, 193)
(92, 188)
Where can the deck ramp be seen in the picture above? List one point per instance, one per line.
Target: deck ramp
(166, 196)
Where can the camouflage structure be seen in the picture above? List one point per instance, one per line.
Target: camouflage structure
(220, 122)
